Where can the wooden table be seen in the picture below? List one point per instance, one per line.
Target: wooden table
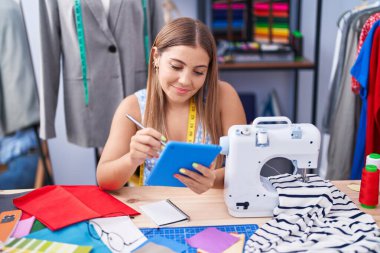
(205, 209)
(208, 208)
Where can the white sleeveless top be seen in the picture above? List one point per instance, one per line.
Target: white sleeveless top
(149, 163)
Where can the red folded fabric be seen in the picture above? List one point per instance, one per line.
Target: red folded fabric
(59, 206)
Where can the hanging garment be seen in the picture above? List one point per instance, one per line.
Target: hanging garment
(360, 71)
(18, 90)
(355, 86)
(314, 217)
(115, 62)
(373, 106)
(344, 106)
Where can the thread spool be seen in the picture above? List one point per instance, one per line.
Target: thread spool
(373, 159)
(369, 187)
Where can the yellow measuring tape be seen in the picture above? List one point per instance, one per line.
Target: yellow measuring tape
(189, 136)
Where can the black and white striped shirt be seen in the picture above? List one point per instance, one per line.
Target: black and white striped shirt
(314, 217)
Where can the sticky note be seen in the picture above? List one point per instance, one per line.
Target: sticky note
(212, 240)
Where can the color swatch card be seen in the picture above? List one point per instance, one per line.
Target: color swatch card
(23, 227)
(8, 223)
(164, 212)
(38, 246)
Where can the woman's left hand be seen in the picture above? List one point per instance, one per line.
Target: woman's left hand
(198, 183)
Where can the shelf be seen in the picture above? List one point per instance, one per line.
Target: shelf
(298, 64)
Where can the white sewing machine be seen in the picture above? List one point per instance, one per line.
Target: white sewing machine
(249, 147)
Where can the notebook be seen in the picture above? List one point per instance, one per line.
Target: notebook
(164, 212)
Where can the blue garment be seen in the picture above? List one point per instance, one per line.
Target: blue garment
(17, 144)
(21, 165)
(360, 71)
(75, 234)
(149, 163)
(20, 172)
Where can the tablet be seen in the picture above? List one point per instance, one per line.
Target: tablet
(178, 155)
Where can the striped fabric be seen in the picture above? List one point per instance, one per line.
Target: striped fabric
(314, 217)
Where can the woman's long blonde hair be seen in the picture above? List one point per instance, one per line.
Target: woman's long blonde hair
(186, 32)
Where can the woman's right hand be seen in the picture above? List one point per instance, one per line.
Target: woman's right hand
(146, 143)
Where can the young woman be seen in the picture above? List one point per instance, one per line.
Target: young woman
(182, 78)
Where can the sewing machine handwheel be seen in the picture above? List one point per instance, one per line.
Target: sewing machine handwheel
(275, 120)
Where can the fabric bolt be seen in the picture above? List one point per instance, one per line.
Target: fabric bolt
(355, 86)
(373, 101)
(149, 163)
(360, 71)
(80, 203)
(19, 106)
(314, 217)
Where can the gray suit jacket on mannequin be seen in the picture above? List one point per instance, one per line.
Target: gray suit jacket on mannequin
(116, 64)
(18, 91)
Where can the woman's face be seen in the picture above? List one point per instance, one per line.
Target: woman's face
(182, 71)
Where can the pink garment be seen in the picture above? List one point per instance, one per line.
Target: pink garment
(355, 85)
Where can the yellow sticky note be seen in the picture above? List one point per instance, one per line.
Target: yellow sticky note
(354, 187)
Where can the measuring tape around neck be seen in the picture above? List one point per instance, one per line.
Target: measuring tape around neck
(82, 46)
(191, 122)
(190, 135)
(146, 37)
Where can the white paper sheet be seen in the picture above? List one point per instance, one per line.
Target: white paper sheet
(123, 226)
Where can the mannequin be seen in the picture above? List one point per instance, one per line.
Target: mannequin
(115, 62)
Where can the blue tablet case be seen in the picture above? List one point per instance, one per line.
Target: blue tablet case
(178, 155)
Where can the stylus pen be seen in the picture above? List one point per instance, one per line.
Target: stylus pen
(140, 125)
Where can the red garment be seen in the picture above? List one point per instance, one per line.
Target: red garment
(373, 99)
(59, 206)
(355, 85)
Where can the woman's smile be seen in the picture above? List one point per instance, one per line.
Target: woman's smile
(181, 91)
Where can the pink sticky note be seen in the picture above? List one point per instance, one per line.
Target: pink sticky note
(23, 227)
(212, 240)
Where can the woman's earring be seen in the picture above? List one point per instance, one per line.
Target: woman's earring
(155, 64)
